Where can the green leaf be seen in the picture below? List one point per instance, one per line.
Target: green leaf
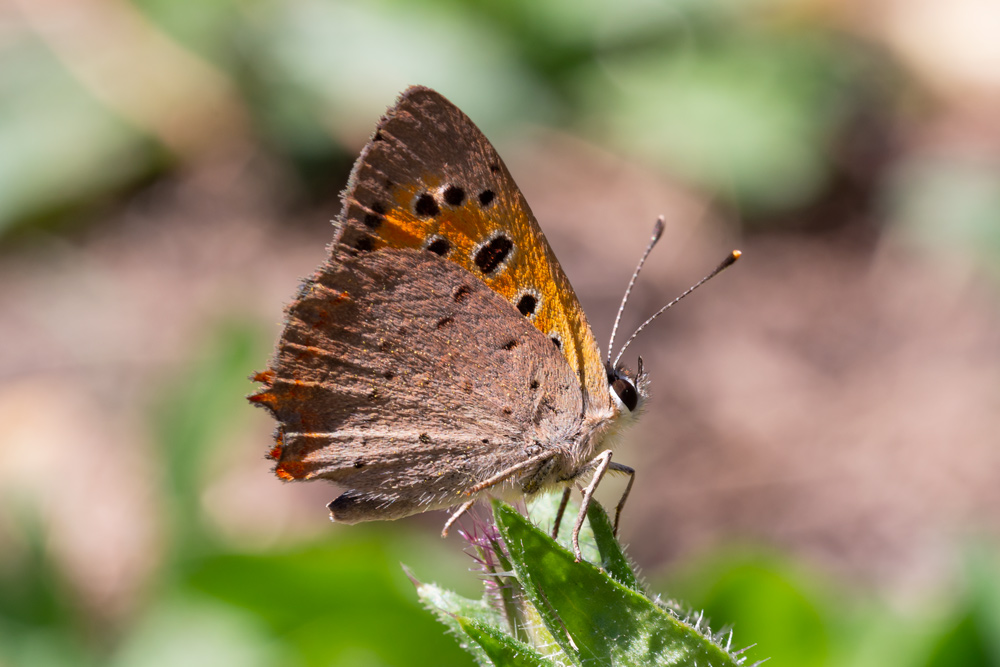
(457, 612)
(453, 609)
(452, 604)
(503, 650)
(613, 559)
(543, 509)
(595, 619)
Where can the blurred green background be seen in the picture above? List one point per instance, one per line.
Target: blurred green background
(819, 465)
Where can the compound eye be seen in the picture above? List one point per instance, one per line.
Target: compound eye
(626, 393)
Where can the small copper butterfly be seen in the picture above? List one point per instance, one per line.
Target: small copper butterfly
(440, 353)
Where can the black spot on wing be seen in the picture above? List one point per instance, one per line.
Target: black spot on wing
(440, 246)
(454, 195)
(526, 304)
(426, 206)
(491, 255)
(363, 243)
(375, 216)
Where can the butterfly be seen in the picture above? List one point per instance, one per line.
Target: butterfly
(440, 354)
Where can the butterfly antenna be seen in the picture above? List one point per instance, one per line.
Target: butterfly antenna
(726, 263)
(657, 232)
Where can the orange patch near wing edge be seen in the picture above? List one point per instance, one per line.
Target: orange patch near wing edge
(266, 377)
(291, 470)
(265, 397)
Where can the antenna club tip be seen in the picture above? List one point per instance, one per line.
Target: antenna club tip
(658, 229)
(728, 261)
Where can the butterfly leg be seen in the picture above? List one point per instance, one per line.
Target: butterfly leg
(455, 517)
(618, 467)
(601, 462)
(560, 512)
(504, 475)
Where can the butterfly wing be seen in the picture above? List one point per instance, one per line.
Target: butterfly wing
(405, 379)
(430, 179)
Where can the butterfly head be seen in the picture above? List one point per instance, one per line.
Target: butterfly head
(627, 388)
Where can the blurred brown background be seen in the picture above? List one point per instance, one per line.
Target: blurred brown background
(167, 176)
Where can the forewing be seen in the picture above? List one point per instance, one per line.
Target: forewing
(430, 179)
(404, 378)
